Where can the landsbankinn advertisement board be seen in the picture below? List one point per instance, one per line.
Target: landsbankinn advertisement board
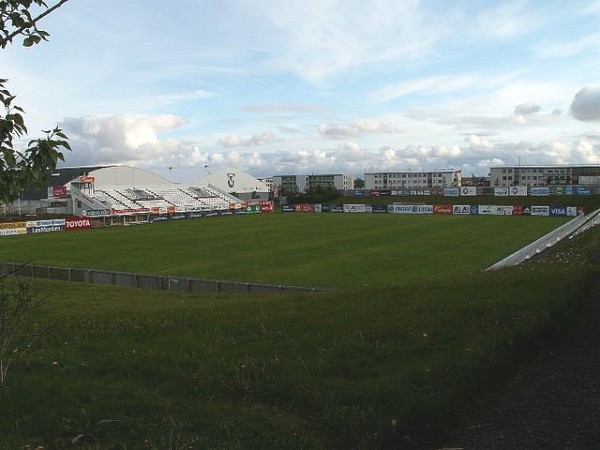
(52, 229)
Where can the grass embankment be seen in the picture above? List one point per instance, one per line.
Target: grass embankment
(385, 367)
(337, 250)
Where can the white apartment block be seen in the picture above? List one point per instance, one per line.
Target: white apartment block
(288, 184)
(545, 175)
(412, 180)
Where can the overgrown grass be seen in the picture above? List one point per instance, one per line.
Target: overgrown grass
(298, 249)
(381, 367)
(389, 365)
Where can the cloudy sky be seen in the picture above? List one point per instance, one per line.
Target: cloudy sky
(316, 86)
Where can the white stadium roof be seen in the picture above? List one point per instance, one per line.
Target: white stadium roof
(126, 176)
(233, 180)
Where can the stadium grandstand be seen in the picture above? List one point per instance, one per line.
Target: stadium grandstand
(118, 191)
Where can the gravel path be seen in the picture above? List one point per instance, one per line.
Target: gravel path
(552, 402)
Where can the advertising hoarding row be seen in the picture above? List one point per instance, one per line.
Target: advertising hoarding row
(95, 218)
(471, 191)
(402, 208)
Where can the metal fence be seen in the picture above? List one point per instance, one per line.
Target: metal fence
(147, 281)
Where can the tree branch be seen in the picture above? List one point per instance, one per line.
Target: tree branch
(10, 37)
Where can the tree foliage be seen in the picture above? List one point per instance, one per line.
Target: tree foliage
(24, 168)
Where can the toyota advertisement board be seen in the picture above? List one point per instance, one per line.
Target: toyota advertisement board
(78, 223)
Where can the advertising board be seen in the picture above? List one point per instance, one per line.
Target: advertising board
(500, 192)
(121, 212)
(12, 225)
(517, 210)
(583, 191)
(410, 209)
(305, 207)
(45, 223)
(354, 208)
(540, 210)
(287, 208)
(468, 191)
(379, 209)
(558, 211)
(462, 210)
(253, 209)
(95, 212)
(503, 210)
(59, 191)
(159, 218)
(51, 229)
(12, 231)
(266, 206)
(539, 191)
(443, 209)
(332, 208)
(451, 192)
(564, 190)
(495, 210)
(518, 191)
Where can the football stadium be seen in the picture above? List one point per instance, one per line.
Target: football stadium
(189, 317)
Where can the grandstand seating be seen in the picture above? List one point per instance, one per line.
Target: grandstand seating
(182, 198)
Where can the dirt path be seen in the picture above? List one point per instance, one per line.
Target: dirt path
(552, 402)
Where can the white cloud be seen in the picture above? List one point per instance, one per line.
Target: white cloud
(525, 109)
(117, 138)
(586, 104)
(477, 142)
(233, 140)
(337, 131)
(360, 126)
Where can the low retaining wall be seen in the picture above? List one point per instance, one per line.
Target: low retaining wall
(146, 281)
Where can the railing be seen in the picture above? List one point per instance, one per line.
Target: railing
(147, 281)
(575, 226)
